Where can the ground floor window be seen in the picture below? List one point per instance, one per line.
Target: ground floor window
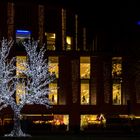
(55, 122)
(89, 121)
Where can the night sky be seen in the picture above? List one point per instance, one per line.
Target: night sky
(101, 14)
(117, 17)
(104, 12)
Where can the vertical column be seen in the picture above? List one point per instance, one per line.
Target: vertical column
(93, 86)
(75, 81)
(107, 81)
(84, 39)
(76, 32)
(41, 23)
(93, 45)
(63, 29)
(10, 20)
(63, 80)
(125, 81)
(96, 43)
(100, 84)
(74, 118)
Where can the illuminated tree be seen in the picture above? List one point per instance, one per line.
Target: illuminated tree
(34, 84)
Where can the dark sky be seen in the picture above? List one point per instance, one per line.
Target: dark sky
(104, 14)
(101, 13)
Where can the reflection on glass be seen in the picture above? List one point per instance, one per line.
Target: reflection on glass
(84, 93)
(116, 94)
(53, 93)
(50, 41)
(54, 65)
(20, 64)
(84, 67)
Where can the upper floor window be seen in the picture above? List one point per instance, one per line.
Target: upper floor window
(54, 68)
(116, 94)
(50, 37)
(69, 43)
(22, 35)
(85, 76)
(84, 93)
(117, 80)
(116, 66)
(54, 65)
(20, 64)
(85, 67)
(53, 94)
(20, 91)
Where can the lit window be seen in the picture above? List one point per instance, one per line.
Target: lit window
(20, 64)
(53, 93)
(50, 41)
(22, 35)
(116, 94)
(62, 120)
(58, 121)
(91, 120)
(117, 80)
(53, 63)
(20, 91)
(84, 67)
(116, 66)
(84, 93)
(69, 43)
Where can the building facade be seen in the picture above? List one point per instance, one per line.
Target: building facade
(91, 80)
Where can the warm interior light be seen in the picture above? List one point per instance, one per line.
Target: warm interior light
(68, 40)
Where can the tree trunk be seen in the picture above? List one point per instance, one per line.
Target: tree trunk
(17, 132)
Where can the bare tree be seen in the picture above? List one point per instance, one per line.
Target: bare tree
(34, 84)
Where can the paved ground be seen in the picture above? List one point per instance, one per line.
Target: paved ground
(97, 136)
